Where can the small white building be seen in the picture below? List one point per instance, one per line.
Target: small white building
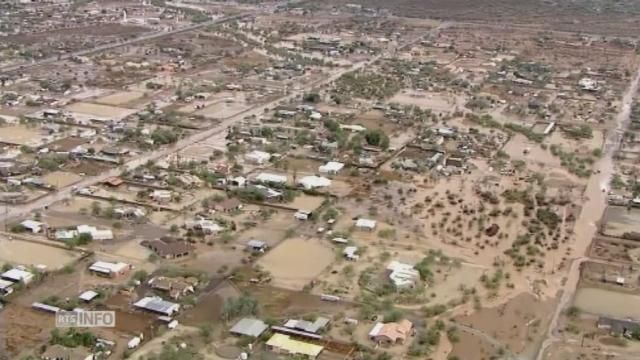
(33, 226)
(402, 275)
(96, 234)
(257, 157)
(331, 168)
(207, 226)
(365, 224)
(161, 196)
(350, 252)
(271, 178)
(109, 268)
(314, 182)
(17, 275)
(88, 295)
(157, 305)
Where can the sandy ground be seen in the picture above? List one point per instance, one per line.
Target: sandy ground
(223, 110)
(437, 102)
(103, 111)
(20, 135)
(155, 345)
(120, 98)
(28, 253)
(306, 202)
(515, 324)
(59, 179)
(295, 262)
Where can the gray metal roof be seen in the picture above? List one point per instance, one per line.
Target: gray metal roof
(249, 327)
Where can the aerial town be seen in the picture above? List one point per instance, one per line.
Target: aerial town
(365, 180)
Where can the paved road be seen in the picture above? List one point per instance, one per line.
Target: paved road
(592, 211)
(143, 38)
(25, 209)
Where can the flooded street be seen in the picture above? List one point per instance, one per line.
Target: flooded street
(593, 208)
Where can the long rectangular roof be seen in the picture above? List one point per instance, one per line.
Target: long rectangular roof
(249, 327)
(293, 347)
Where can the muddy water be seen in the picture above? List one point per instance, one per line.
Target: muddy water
(608, 303)
(598, 184)
(585, 227)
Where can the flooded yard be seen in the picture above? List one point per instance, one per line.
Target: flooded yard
(21, 135)
(104, 111)
(28, 253)
(608, 303)
(60, 179)
(120, 98)
(306, 202)
(295, 262)
(622, 222)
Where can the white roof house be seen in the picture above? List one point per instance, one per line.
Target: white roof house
(95, 233)
(157, 305)
(271, 178)
(249, 327)
(17, 275)
(88, 295)
(365, 224)
(5, 287)
(62, 235)
(332, 167)
(350, 252)
(33, 226)
(207, 226)
(257, 157)
(313, 182)
(402, 275)
(353, 128)
(108, 268)
(161, 195)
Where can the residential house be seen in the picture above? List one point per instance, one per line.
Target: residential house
(18, 275)
(350, 253)
(157, 305)
(169, 248)
(206, 226)
(110, 269)
(257, 245)
(314, 182)
(365, 224)
(161, 196)
(271, 178)
(114, 181)
(6, 287)
(307, 326)
(403, 276)
(391, 333)
(175, 287)
(88, 296)
(33, 226)
(331, 168)
(105, 234)
(257, 157)
(249, 327)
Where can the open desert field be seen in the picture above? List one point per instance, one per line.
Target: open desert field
(296, 262)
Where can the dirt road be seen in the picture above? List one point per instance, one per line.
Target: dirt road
(592, 210)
